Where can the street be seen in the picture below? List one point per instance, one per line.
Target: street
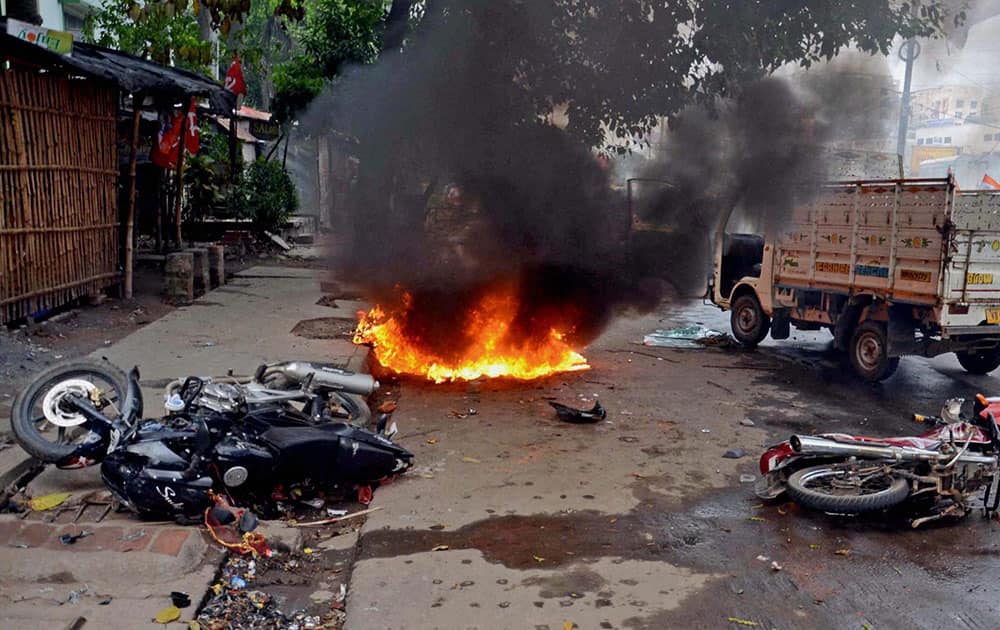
(512, 518)
(638, 521)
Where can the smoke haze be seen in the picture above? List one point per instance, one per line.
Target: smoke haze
(457, 194)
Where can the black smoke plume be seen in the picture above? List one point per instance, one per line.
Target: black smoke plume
(458, 191)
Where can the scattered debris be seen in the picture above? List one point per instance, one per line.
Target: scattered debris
(747, 422)
(277, 240)
(49, 501)
(134, 535)
(180, 599)
(471, 460)
(695, 336)
(70, 539)
(432, 441)
(747, 478)
(842, 552)
(333, 513)
(742, 622)
(579, 416)
(775, 566)
(734, 453)
(168, 614)
(440, 548)
(339, 518)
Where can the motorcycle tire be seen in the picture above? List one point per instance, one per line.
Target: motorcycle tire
(360, 415)
(25, 427)
(800, 491)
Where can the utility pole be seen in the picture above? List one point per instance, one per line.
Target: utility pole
(908, 53)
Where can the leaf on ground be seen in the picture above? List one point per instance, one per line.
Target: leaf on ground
(440, 548)
(757, 519)
(470, 460)
(49, 501)
(742, 622)
(432, 441)
(168, 614)
(538, 558)
(842, 552)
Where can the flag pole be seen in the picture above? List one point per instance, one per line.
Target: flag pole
(179, 180)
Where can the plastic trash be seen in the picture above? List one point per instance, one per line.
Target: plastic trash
(49, 501)
(695, 336)
(579, 416)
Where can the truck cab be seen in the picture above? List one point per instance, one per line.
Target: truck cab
(890, 267)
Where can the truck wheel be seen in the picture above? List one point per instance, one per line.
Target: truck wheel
(748, 320)
(868, 352)
(980, 361)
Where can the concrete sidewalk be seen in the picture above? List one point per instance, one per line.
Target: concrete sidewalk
(123, 574)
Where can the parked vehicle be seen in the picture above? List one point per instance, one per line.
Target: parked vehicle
(940, 472)
(890, 267)
(54, 432)
(171, 467)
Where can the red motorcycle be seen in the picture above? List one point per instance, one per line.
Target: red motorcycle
(940, 472)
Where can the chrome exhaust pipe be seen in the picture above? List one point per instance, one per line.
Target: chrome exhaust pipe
(329, 377)
(810, 445)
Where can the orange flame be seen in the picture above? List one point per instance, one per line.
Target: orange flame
(492, 352)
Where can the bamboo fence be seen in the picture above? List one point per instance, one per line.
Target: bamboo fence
(59, 222)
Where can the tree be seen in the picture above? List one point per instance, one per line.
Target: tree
(616, 66)
(166, 33)
(331, 33)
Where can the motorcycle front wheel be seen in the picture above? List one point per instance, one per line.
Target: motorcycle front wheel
(842, 491)
(43, 427)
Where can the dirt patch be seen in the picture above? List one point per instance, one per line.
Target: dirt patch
(74, 332)
(325, 328)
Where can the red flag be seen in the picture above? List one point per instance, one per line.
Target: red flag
(192, 139)
(234, 77)
(989, 182)
(164, 154)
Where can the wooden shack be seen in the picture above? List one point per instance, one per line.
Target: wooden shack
(61, 227)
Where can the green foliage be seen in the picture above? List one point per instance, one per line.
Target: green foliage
(266, 195)
(335, 31)
(332, 33)
(206, 175)
(166, 33)
(616, 66)
(201, 182)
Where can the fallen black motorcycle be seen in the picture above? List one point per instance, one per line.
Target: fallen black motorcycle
(170, 467)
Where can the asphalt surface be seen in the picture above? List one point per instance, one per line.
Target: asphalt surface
(514, 519)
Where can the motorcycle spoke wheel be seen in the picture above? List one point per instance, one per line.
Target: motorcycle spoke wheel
(50, 430)
(840, 490)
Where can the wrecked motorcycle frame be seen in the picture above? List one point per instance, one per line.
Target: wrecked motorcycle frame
(171, 467)
(940, 472)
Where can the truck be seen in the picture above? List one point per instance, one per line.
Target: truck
(891, 267)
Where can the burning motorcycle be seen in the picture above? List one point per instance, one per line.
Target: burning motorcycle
(52, 432)
(940, 472)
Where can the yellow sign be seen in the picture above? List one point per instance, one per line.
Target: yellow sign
(914, 275)
(830, 267)
(993, 316)
(979, 278)
(59, 42)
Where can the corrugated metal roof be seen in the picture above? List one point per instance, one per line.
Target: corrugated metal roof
(129, 72)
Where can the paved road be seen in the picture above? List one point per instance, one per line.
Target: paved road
(517, 520)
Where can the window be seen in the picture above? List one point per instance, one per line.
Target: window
(920, 141)
(973, 104)
(988, 137)
(960, 102)
(937, 140)
(947, 140)
(958, 114)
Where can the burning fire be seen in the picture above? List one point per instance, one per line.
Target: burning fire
(492, 349)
